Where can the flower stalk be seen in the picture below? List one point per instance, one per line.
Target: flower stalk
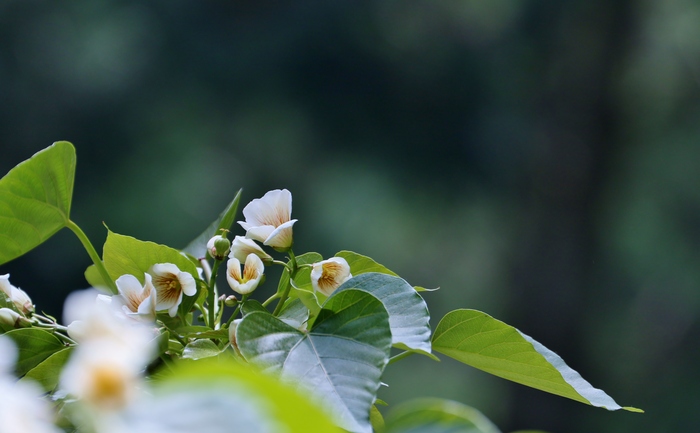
(292, 268)
(93, 255)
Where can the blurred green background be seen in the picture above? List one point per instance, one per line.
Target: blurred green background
(537, 160)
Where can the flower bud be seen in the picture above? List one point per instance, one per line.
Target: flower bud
(231, 301)
(218, 247)
(12, 318)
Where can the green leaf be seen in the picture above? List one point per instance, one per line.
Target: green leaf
(434, 415)
(198, 247)
(47, 372)
(128, 255)
(251, 306)
(34, 346)
(360, 264)
(408, 313)
(341, 359)
(294, 313)
(221, 396)
(301, 287)
(200, 349)
(94, 278)
(35, 199)
(479, 340)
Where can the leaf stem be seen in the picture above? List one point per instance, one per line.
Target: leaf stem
(292, 268)
(93, 255)
(211, 296)
(400, 356)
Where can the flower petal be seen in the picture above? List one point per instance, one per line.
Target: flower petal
(241, 247)
(282, 236)
(328, 275)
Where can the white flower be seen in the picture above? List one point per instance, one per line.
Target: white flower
(103, 375)
(170, 284)
(106, 368)
(18, 296)
(268, 219)
(21, 407)
(328, 275)
(241, 247)
(137, 301)
(252, 274)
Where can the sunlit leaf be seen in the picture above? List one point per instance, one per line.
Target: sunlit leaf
(128, 255)
(479, 340)
(434, 415)
(94, 278)
(408, 312)
(198, 247)
(34, 346)
(35, 199)
(340, 359)
(360, 264)
(47, 372)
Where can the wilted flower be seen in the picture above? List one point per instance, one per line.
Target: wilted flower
(18, 296)
(137, 301)
(328, 275)
(170, 284)
(21, 406)
(252, 274)
(241, 247)
(268, 219)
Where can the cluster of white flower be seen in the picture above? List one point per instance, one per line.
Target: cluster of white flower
(268, 221)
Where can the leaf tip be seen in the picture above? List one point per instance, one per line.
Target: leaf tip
(632, 409)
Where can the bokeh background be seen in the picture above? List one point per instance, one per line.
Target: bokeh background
(536, 159)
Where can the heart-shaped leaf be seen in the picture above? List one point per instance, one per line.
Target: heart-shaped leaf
(340, 360)
(128, 255)
(435, 415)
(35, 199)
(408, 312)
(198, 247)
(34, 345)
(479, 340)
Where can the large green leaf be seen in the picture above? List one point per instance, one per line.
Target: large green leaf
(221, 396)
(35, 199)
(128, 255)
(47, 372)
(479, 340)
(34, 346)
(408, 313)
(435, 415)
(198, 247)
(341, 359)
